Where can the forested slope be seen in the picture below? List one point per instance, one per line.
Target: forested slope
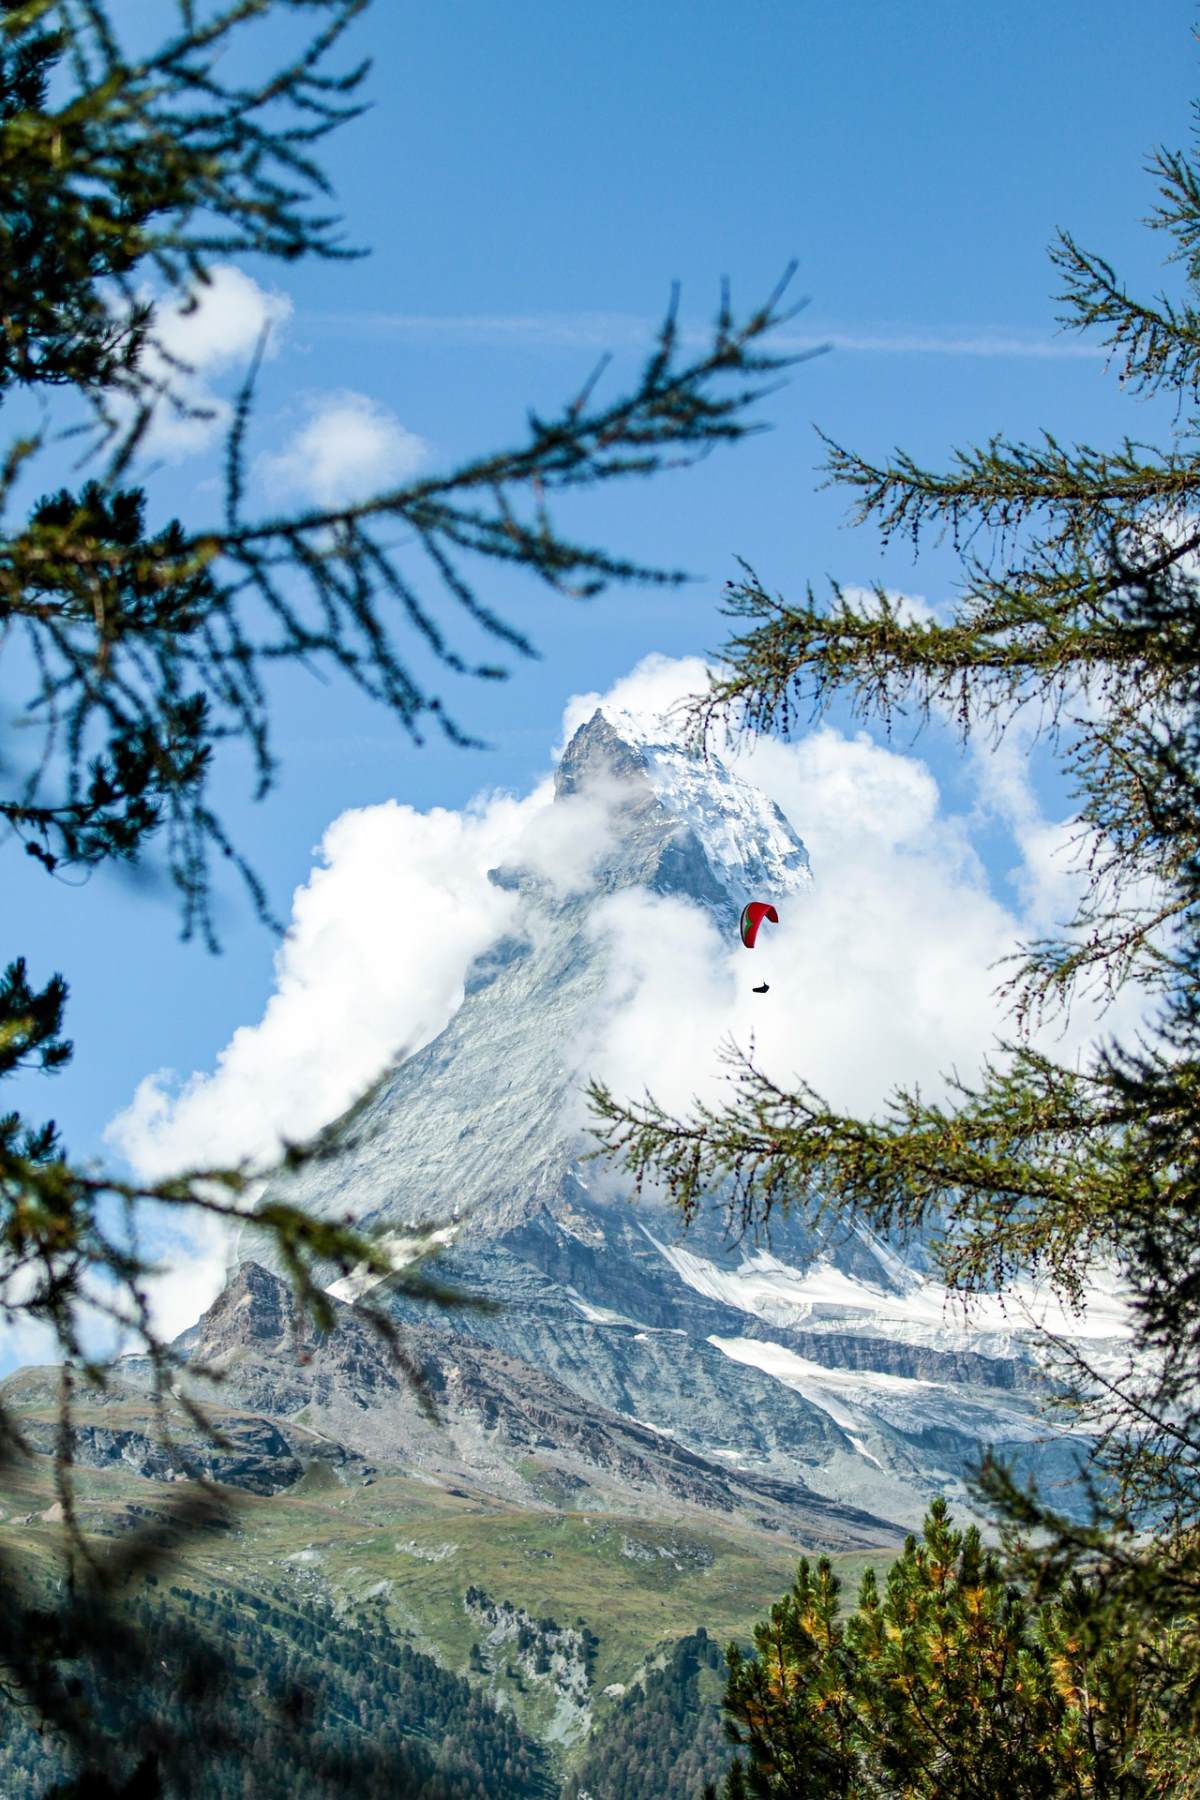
(666, 1736)
(240, 1695)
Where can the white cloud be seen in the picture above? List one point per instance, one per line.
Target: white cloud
(561, 844)
(883, 970)
(348, 448)
(23, 1338)
(218, 332)
(887, 971)
(192, 1255)
(671, 993)
(381, 937)
(843, 792)
(189, 1267)
(225, 324)
(946, 341)
(1051, 853)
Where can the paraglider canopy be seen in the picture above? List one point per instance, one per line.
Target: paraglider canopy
(753, 915)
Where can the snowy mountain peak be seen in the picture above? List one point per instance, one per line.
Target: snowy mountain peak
(597, 751)
(749, 844)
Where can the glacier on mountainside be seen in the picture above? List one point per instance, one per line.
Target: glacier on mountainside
(839, 1362)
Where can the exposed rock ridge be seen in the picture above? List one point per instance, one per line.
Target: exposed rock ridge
(494, 1411)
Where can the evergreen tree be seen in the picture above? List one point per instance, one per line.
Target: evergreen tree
(663, 1736)
(1078, 605)
(950, 1684)
(245, 1697)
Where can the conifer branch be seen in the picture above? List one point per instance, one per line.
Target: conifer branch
(1078, 612)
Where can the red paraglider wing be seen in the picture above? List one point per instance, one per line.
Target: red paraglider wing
(752, 917)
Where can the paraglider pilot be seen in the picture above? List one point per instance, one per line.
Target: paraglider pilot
(753, 914)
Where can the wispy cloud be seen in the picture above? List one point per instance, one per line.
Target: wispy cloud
(589, 331)
(615, 331)
(935, 342)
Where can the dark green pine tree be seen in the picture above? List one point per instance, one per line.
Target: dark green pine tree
(949, 1684)
(664, 1736)
(792, 1704)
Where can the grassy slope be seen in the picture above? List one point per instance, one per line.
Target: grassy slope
(414, 1550)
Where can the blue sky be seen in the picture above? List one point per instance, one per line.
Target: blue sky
(530, 180)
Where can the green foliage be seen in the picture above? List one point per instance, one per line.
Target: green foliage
(1077, 615)
(232, 1692)
(31, 1022)
(951, 1682)
(147, 165)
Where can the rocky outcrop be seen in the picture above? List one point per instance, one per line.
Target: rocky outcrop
(254, 1455)
(479, 1416)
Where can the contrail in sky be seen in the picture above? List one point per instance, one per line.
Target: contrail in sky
(610, 331)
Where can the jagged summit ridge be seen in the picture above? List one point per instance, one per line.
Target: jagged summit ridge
(598, 750)
(483, 1122)
(748, 843)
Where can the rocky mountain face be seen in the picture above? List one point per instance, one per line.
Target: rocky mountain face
(834, 1368)
(643, 1423)
(465, 1415)
(471, 1412)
